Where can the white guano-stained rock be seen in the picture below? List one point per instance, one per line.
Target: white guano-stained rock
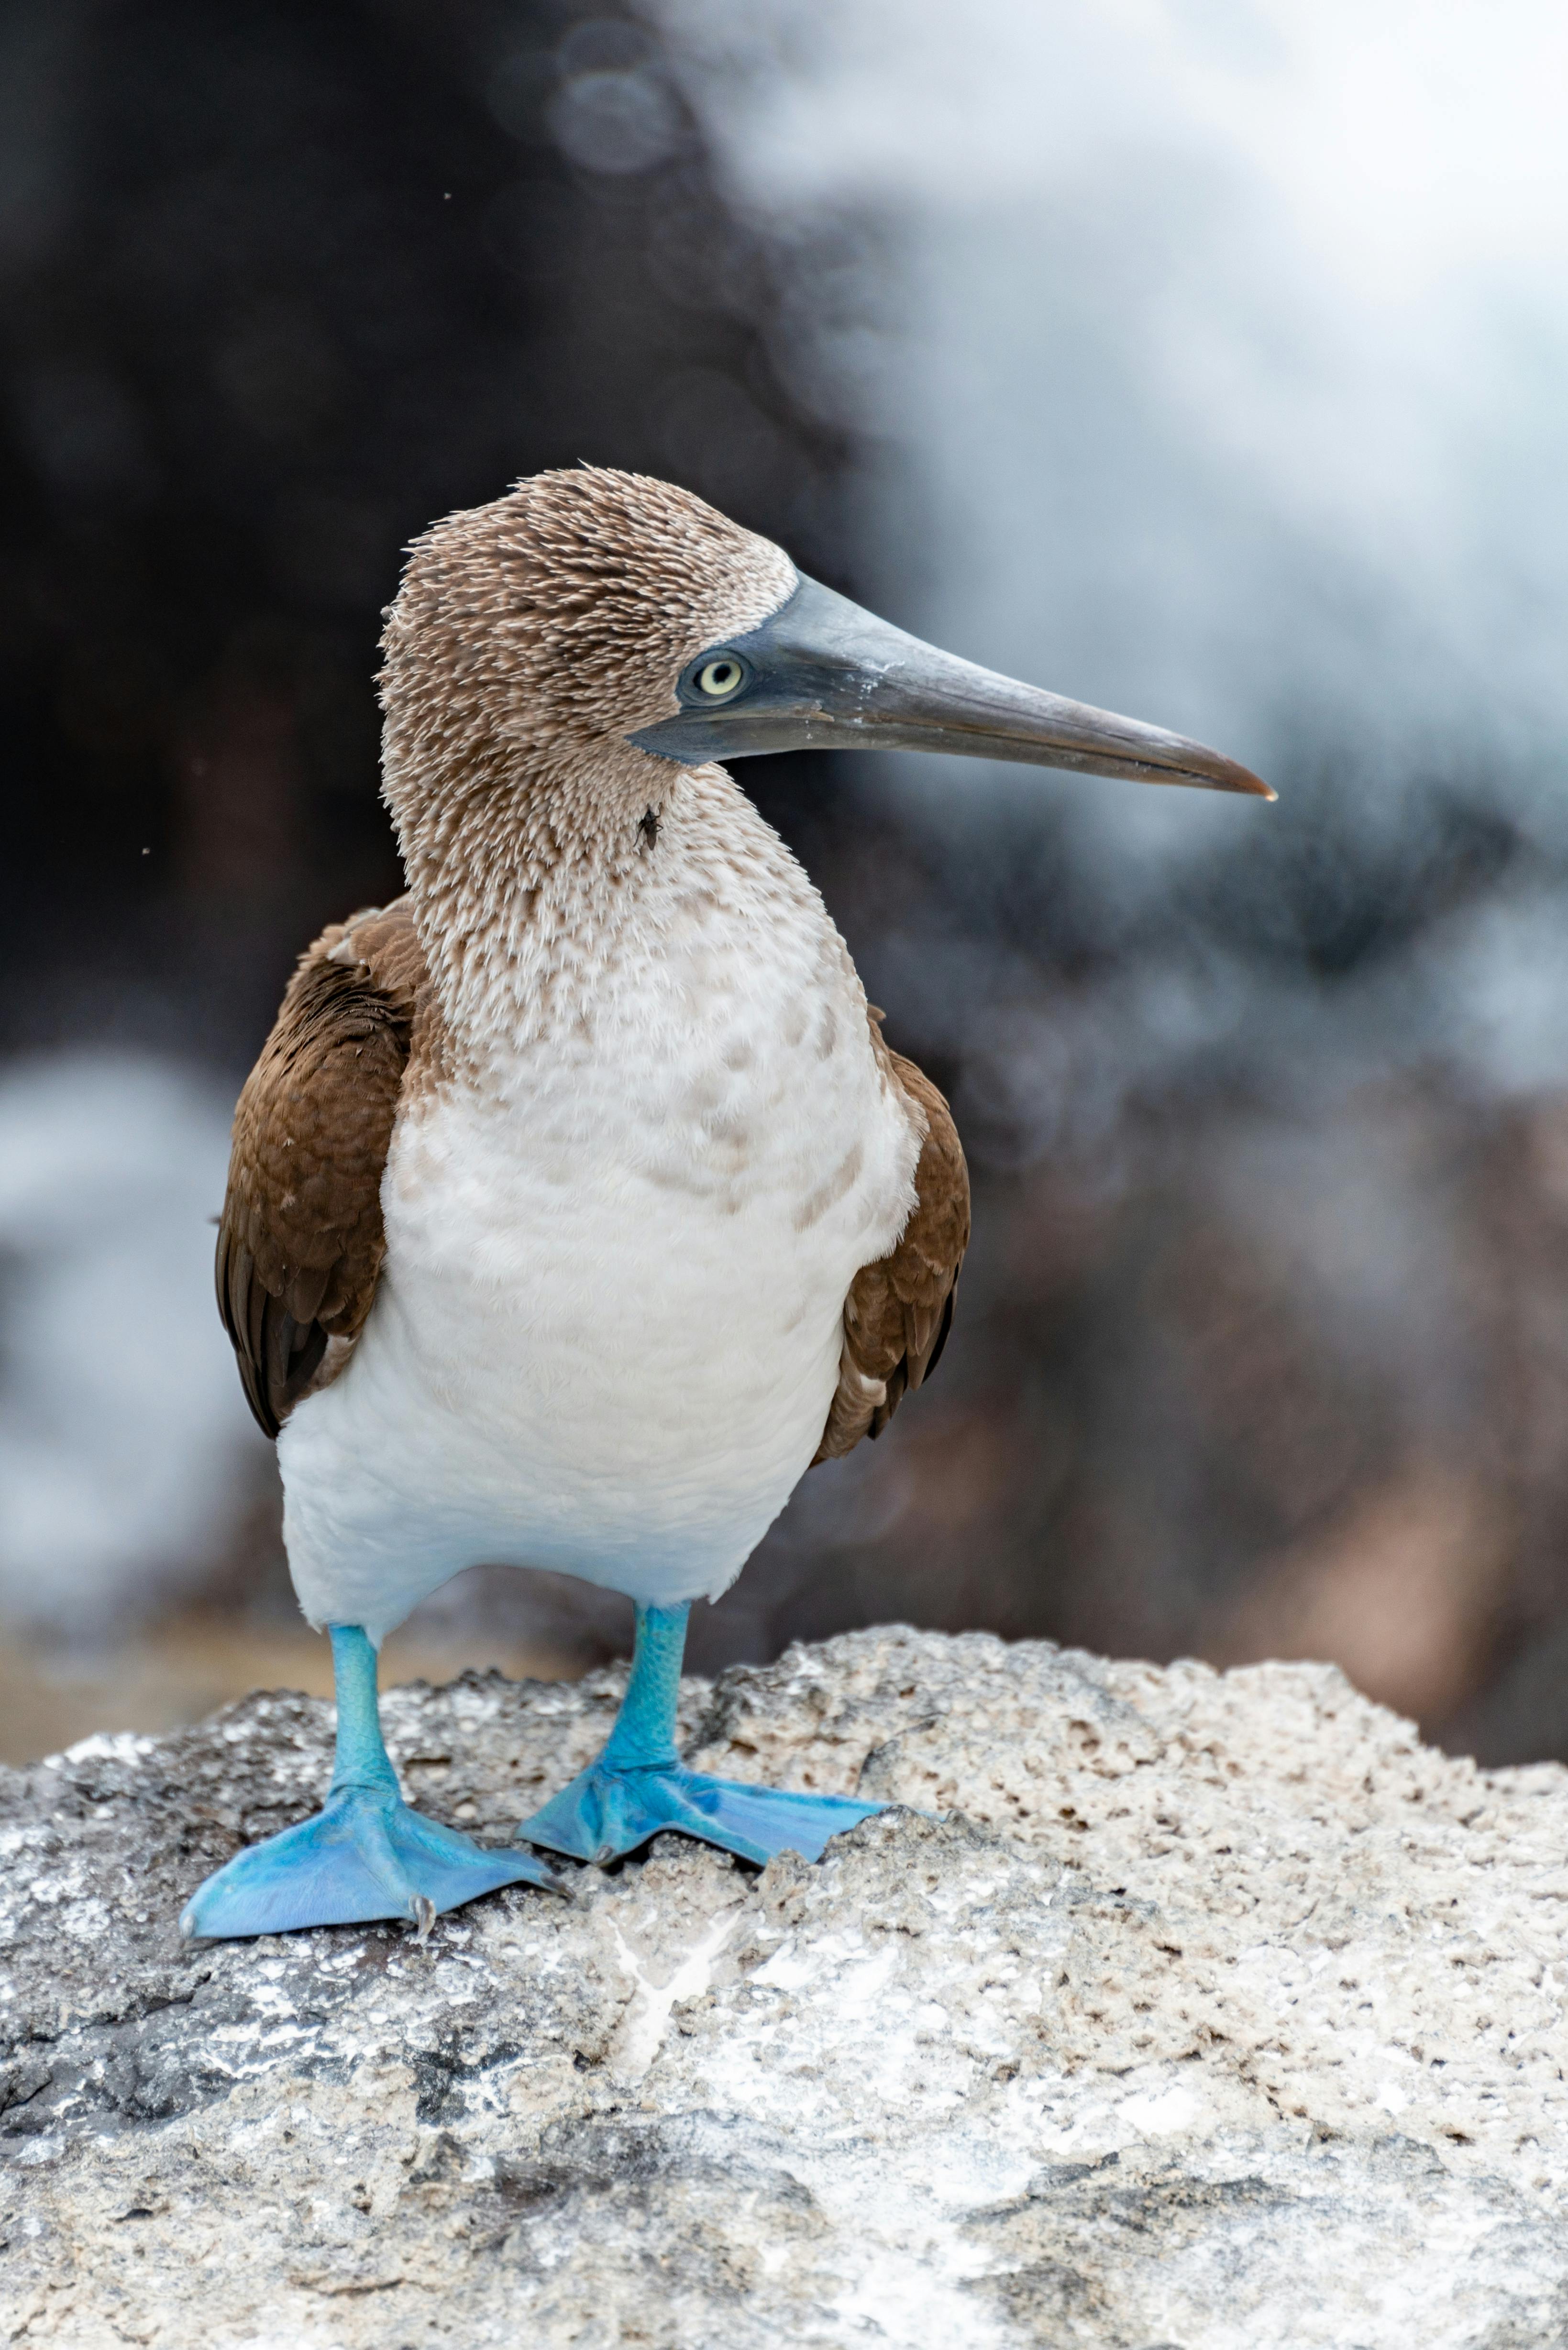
(1209, 2010)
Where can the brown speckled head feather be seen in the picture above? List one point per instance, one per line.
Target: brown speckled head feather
(300, 1240)
(529, 638)
(564, 611)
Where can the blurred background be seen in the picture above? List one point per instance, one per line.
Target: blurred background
(1204, 359)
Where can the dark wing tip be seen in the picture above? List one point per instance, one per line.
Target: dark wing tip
(299, 1250)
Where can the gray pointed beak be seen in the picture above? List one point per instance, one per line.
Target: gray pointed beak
(824, 674)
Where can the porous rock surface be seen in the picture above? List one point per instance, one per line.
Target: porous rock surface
(1208, 2011)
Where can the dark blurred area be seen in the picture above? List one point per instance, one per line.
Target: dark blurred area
(1262, 1347)
(281, 286)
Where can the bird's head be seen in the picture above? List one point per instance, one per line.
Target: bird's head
(609, 629)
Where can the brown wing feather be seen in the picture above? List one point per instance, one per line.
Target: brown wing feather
(300, 1241)
(899, 1310)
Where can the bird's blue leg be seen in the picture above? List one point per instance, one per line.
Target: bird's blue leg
(640, 1785)
(365, 1854)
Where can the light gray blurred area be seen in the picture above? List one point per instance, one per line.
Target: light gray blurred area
(126, 1449)
(1206, 361)
(1214, 356)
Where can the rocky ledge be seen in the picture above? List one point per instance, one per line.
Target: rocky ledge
(1177, 2008)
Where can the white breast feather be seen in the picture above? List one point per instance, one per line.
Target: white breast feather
(608, 1328)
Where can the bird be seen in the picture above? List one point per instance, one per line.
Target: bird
(578, 1205)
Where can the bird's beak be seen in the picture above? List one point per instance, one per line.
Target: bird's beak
(823, 673)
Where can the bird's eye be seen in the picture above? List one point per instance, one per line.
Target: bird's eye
(719, 679)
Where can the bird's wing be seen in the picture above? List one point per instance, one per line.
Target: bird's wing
(899, 1310)
(300, 1238)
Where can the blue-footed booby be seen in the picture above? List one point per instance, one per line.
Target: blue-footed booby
(578, 1205)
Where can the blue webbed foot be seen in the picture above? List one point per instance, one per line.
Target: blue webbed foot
(364, 1856)
(638, 1786)
(610, 1810)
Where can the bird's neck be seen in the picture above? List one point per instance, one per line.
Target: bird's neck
(525, 889)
